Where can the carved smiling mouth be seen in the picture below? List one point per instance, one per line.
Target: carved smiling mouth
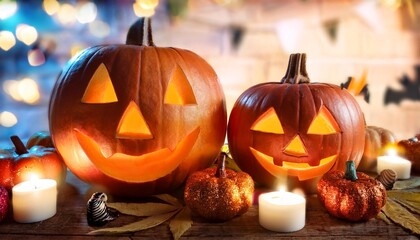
(137, 169)
(301, 170)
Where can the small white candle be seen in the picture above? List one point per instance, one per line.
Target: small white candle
(401, 166)
(34, 200)
(282, 211)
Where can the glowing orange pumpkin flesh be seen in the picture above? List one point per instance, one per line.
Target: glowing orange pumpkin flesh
(322, 124)
(142, 168)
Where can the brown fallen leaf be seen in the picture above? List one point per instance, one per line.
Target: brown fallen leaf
(181, 223)
(401, 216)
(169, 199)
(143, 209)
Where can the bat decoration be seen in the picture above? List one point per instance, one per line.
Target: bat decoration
(410, 91)
(357, 87)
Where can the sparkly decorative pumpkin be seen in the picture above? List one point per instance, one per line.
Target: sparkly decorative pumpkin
(295, 129)
(219, 194)
(137, 119)
(376, 139)
(351, 195)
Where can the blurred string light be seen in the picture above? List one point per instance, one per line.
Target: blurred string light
(67, 14)
(26, 34)
(145, 8)
(25, 90)
(7, 40)
(7, 8)
(7, 119)
(99, 29)
(148, 4)
(51, 7)
(36, 57)
(86, 12)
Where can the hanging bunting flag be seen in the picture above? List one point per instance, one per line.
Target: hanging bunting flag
(331, 28)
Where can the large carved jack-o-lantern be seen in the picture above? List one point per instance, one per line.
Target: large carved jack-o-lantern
(137, 119)
(295, 129)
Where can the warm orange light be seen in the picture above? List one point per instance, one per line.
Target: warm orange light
(179, 90)
(148, 4)
(100, 88)
(7, 40)
(51, 7)
(141, 11)
(8, 119)
(133, 124)
(26, 34)
(324, 123)
(296, 147)
(268, 122)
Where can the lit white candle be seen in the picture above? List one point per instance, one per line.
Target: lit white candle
(34, 200)
(282, 211)
(401, 166)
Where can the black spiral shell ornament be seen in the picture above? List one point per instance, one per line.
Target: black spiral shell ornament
(387, 177)
(98, 214)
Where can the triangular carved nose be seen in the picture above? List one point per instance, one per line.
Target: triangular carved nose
(296, 148)
(133, 124)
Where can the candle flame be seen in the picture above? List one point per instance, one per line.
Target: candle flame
(33, 177)
(393, 150)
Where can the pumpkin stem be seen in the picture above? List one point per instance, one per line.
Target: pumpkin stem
(296, 70)
(221, 170)
(19, 146)
(350, 173)
(140, 33)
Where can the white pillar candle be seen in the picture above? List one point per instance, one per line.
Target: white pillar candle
(34, 200)
(282, 211)
(401, 166)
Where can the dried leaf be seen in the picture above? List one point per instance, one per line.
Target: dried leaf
(382, 216)
(410, 200)
(401, 216)
(413, 182)
(169, 199)
(143, 209)
(181, 223)
(145, 223)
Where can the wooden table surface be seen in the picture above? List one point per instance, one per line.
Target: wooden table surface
(70, 222)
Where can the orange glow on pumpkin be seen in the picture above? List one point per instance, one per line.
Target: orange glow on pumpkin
(100, 88)
(132, 124)
(268, 122)
(179, 90)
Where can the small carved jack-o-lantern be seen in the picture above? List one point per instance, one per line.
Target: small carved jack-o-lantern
(295, 129)
(137, 119)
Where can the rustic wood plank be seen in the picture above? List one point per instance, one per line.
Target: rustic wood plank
(70, 221)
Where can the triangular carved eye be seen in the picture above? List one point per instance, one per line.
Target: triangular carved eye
(324, 123)
(100, 88)
(179, 91)
(268, 122)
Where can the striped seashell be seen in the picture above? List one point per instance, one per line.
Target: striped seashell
(98, 214)
(387, 177)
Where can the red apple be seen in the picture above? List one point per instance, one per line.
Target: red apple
(6, 167)
(40, 161)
